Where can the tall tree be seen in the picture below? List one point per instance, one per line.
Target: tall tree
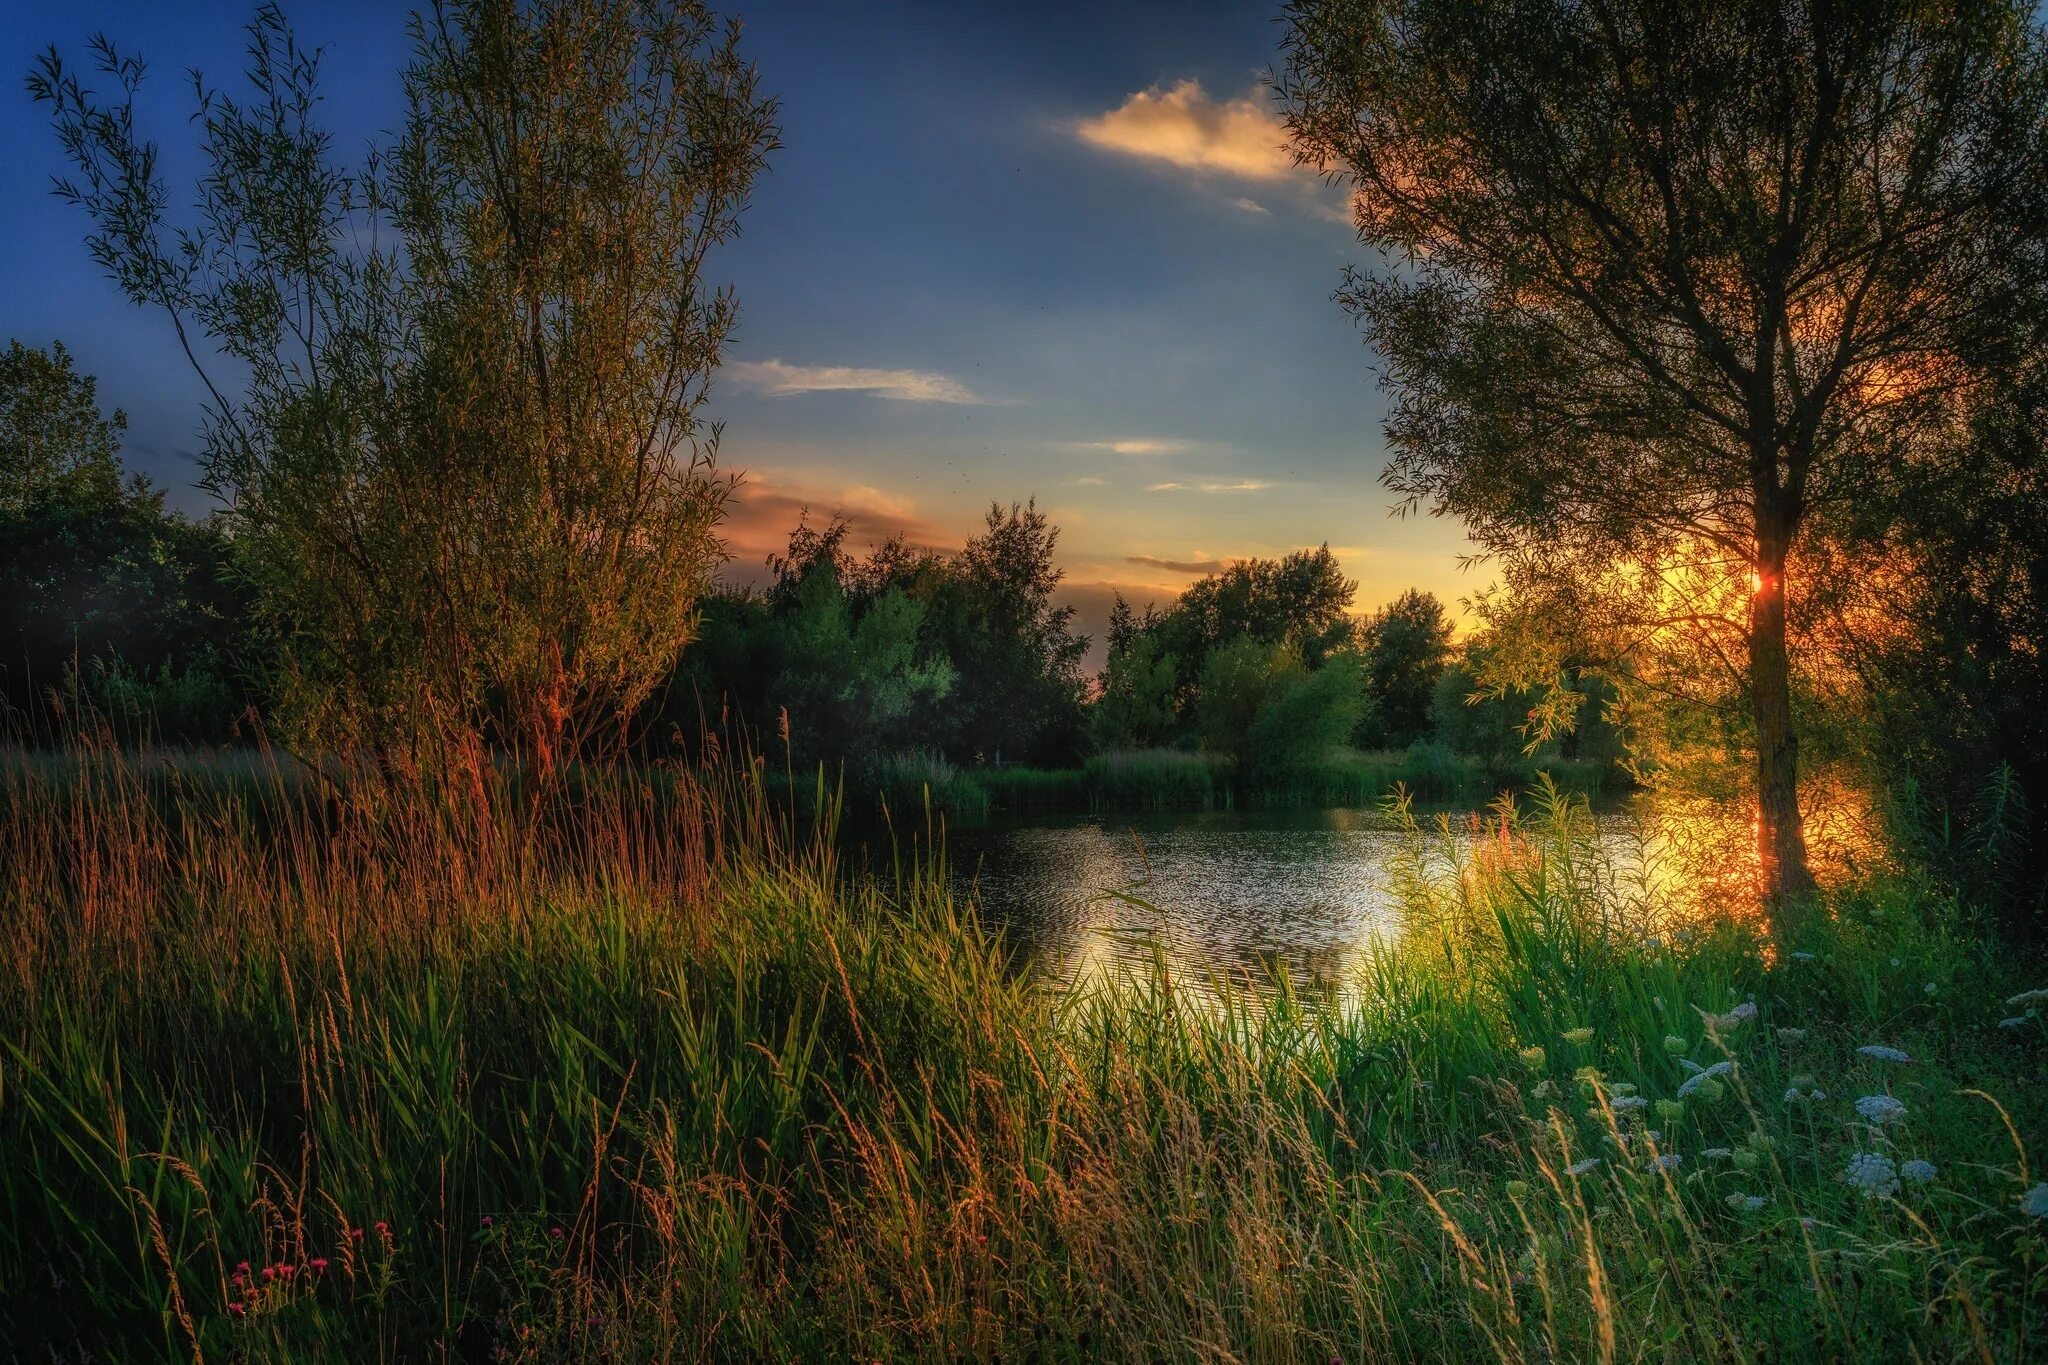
(52, 433)
(468, 465)
(1661, 276)
(1405, 647)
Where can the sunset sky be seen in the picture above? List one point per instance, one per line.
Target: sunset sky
(1007, 251)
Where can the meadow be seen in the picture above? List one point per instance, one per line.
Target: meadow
(652, 1075)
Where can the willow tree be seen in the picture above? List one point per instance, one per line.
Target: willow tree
(466, 458)
(1659, 279)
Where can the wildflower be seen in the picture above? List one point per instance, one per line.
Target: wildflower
(1717, 1153)
(1627, 1103)
(1897, 963)
(1705, 1080)
(2027, 997)
(1747, 1161)
(1763, 1142)
(1880, 1108)
(2017, 1021)
(1746, 1203)
(1669, 1161)
(1929, 988)
(555, 1233)
(1578, 1168)
(1791, 1035)
(1881, 1053)
(1676, 1046)
(270, 1272)
(1801, 957)
(2034, 1202)
(1518, 1189)
(1804, 1088)
(1623, 1088)
(319, 1263)
(355, 1234)
(1578, 1036)
(1534, 1058)
(236, 1310)
(1918, 1171)
(1874, 1175)
(286, 1270)
(1671, 1111)
(487, 1220)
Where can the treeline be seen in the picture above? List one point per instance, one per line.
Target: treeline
(116, 605)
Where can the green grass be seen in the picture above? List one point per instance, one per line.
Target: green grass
(661, 1080)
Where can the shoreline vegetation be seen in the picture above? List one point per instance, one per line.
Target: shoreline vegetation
(651, 1075)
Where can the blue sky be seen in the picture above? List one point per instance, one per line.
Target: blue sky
(1006, 251)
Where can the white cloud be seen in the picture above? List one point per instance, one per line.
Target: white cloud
(1186, 127)
(780, 380)
(1238, 486)
(1250, 205)
(1146, 446)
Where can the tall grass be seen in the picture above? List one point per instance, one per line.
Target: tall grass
(655, 1078)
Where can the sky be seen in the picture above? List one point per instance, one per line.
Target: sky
(1054, 251)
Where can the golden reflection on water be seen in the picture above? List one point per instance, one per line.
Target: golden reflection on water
(1242, 897)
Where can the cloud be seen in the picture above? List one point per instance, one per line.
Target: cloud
(1186, 127)
(1134, 447)
(779, 380)
(1091, 481)
(765, 510)
(1238, 486)
(1193, 566)
(1250, 205)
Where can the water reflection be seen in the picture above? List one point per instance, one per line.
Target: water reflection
(1243, 893)
(1208, 892)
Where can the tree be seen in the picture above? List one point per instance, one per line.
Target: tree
(52, 435)
(99, 584)
(1404, 649)
(994, 616)
(1663, 279)
(468, 468)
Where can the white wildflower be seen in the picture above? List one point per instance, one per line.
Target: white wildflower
(1718, 1153)
(1692, 1067)
(1929, 988)
(2017, 1021)
(1746, 1203)
(1802, 957)
(1791, 1035)
(1880, 1108)
(1874, 1175)
(1625, 1103)
(1578, 1168)
(1881, 1053)
(1918, 1171)
(2026, 997)
(1897, 963)
(1667, 1162)
(1699, 1081)
(2034, 1202)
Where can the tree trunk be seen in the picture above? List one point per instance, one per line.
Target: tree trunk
(1784, 879)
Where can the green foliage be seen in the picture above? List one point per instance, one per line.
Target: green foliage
(467, 467)
(107, 600)
(1405, 645)
(1306, 718)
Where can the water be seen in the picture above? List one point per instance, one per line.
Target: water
(1210, 892)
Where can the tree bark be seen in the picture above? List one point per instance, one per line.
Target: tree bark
(1785, 882)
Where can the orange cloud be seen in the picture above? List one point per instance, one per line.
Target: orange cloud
(1186, 127)
(1134, 446)
(764, 511)
(1188, 566)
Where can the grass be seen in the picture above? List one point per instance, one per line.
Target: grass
(658, 1079)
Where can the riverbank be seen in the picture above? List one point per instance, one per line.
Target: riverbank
(665, 1081)
(1176, 779)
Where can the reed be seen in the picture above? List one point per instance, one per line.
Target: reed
(653, 1076)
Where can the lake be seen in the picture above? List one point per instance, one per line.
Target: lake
(1208, 891)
